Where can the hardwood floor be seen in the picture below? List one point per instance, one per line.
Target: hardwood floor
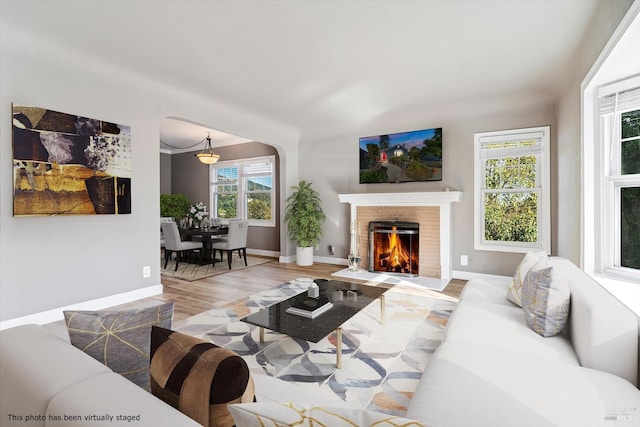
(192, 298)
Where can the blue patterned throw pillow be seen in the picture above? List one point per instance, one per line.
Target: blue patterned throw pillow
(120, 339)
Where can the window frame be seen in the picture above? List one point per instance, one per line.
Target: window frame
(542, 188)
(611, 181)
(243, 193)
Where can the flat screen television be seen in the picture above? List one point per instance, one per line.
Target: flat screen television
(401, 157)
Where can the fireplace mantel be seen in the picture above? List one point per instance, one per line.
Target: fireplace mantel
(429, 198)
(441, 199)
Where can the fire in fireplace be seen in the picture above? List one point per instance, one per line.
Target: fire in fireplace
(393, 247)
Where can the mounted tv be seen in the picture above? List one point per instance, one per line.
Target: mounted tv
(401, 157)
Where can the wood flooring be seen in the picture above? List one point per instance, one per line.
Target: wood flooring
(191, 298)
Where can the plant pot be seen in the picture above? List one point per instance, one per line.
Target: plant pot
(304, 256)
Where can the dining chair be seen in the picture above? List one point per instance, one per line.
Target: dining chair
(236, 240)
(173, 243)
(164, 219)
(216, 238)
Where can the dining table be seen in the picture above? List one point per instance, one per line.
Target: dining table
(207, 235)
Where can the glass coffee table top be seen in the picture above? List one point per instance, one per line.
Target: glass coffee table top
(348, 299)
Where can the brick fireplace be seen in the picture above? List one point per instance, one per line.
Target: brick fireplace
(431, 210)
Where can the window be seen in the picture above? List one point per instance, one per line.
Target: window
(512, 202)
(225, 191)
(244, 189)
(620, 184)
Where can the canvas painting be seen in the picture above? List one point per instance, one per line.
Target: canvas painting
(65, 164)
(401, 157)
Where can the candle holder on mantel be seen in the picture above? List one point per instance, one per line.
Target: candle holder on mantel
(354, 259)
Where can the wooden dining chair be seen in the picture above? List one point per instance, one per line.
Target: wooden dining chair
(236, 240)
(173, 243)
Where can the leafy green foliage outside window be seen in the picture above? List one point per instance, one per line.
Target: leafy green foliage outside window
(259, 197)
(511, 172)
(631, 142)
(511, 215)
(630, 227)
(227, 206)
(259, 206)
(630, 196)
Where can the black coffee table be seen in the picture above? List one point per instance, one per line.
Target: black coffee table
(348, 299)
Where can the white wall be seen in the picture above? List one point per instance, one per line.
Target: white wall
(604, 23)
(50, 262)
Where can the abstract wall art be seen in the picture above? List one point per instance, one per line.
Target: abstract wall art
(65, 164)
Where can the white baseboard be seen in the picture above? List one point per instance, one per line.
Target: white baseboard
(261, 252)
(287, 259)
(467, 275)
(321, 259)
(96, 304)
(330, 260)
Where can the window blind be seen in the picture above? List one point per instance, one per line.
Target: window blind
(257, 168)
(626, 100)
(515, 150)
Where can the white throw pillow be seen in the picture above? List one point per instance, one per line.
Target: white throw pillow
(515, 289)
(545, 300)
(288, 414)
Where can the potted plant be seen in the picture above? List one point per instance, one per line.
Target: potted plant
(303, 216)
(175, 206)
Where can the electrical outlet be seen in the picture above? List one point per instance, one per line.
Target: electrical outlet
(464, 260)
(146, 271)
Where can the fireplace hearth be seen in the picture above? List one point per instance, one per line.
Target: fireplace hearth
(394, 247)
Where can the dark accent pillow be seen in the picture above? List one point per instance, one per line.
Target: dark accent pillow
(119, 339)
(197, 377)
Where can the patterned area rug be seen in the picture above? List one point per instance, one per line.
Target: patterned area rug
(191, 272)
(381, 363)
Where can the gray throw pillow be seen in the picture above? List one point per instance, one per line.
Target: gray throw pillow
(119, 339)
(545, 301)
(515, 289)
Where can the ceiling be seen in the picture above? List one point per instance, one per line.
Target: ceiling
(316, 64)
(179, 136)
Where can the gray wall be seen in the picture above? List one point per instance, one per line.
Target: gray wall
(331, 163)
(165, 173)
(51, 262)
(191, 178)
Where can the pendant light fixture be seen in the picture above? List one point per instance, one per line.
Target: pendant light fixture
(207, 156)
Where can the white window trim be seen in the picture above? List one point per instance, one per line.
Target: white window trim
(544, 206)
(242, 193)
(609, 181)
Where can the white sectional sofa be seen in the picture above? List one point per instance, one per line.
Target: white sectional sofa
(492, 370)
(43, 379)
